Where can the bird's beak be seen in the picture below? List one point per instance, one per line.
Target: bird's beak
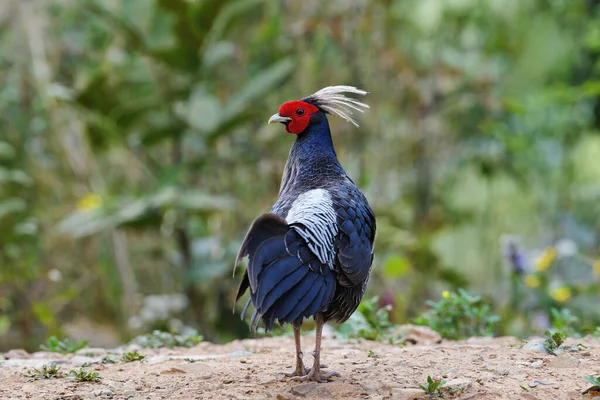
(278, 118)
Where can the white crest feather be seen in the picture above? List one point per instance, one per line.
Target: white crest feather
(333, 101)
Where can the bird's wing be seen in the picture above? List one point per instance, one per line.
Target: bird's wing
(354, 241)
(286, 279)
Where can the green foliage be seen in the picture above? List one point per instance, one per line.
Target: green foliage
(594, 381)
(459, 315)
(83, 375)
(564, 321)
(597, 332)
(554, 341)
(48, 371)
(158, 339)
(156, 111)
(54, 345)
(190, 360)
(132, 356)
(433, 387)
(108, 360)
(368, 322)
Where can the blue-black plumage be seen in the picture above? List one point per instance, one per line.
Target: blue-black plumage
(311, 255)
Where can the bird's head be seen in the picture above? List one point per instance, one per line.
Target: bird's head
(298, 115)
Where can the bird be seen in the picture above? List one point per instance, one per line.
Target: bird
(311, 255)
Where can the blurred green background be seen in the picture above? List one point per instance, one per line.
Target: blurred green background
(134, 154)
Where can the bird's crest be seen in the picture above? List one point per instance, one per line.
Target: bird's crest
(333, 101)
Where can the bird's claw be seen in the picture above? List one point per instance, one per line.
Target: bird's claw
(301, 372)
(317, 377)
(296, 373)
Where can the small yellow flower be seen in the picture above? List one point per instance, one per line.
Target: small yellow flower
(545, 259)
(89, 202)
(561, 294)
(532, 281)
(596, 268)
(445, 294)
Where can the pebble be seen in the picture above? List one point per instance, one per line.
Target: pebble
(537, 364)
(304, 389)
(16, 354)
(536, 345)
(268, 379)
(284, 396)
(101, 392)
(459, 384)
(406, 393)
(421, 335)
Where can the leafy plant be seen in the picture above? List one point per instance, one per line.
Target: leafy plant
(433, 386)
(49, 371)
(83, 375)
(554, 341)
(158, 339)
(132, 356)
(108, 360)
(54, 345)
(368, 322)
(564, 321)
(593, 381)
(459, 315)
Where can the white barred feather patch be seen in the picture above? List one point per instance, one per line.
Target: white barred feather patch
(333, 101)
(313, 217)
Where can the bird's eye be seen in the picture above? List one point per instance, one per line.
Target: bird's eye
(300, 111)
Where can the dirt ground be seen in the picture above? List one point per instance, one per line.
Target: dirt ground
(479, 368)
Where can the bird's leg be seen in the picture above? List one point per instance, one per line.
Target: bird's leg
(300, 370)
(314, 374)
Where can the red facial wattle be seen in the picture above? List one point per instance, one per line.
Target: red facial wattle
(300, 113)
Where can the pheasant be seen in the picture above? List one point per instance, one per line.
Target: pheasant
(311, 255)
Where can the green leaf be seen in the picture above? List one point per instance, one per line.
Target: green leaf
(592, 380)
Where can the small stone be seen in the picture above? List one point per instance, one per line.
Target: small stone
(532, 384)
(16, 354)
(304, 389)
(102, 392)
(459, 384)
(536, 345)
(139, 388)
(406, 393)
(268, 379)
(415, 334)
(537, 364)
(284, 396)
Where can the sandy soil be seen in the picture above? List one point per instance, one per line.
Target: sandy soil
(480, 368)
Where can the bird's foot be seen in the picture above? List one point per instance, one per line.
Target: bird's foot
(296, 372)
(300, 372)
(317, 376)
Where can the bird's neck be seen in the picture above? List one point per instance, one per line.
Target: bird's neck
(312, 159)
